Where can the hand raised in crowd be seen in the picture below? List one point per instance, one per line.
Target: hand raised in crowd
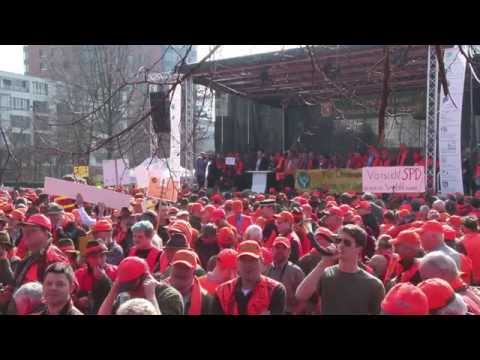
(79, 200)
(149, 286)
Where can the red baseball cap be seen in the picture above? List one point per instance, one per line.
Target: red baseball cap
(345, 209)
(281, 240)
(185, 257)
(334, 210)
(406, 207)
(217, 198)
(39, 220)
(196, 207)
(17, 215)
(102, 225)
(455, 221)
(225, 236)
(321, 230)
(285, 216)
(432, 226)
(405, 299)
(407, 237)
(218, 214)
(227, 259)
(131, 268)
(249, 248)
(439, 293)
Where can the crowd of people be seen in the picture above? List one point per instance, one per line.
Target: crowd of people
(240, 253)
(213, 171)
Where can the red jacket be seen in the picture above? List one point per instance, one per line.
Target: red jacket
(258, 303)
(246, 222)
(36, 270)
(471, 243)
(86, 279)
(152, 258)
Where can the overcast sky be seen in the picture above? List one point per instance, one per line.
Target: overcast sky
(11, 56)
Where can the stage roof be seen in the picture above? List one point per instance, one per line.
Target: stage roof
(290, 76)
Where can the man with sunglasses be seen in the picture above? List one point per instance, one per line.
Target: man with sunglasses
(134, 280)
(344, 288)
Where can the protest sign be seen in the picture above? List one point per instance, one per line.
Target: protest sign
(229, 161)
(393, 179)
(116, 172)
(91, 194)
(80, 171)
(163, 188)
(335, 180)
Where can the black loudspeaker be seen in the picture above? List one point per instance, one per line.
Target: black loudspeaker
(160, 106)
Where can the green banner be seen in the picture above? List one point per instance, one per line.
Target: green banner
(334, 180)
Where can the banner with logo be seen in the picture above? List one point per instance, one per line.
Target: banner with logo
(450, 123)
(393, 179)
(335, 180)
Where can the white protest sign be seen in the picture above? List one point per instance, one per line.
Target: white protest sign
(393, 179)
(115, 172)
(91, 194)
(229, 161)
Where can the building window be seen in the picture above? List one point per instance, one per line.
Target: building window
(5, 101)
(40, 106)
(42, 53)
(7, 83)
(40, 88)
(43, 66)
(20, 139)
(21, 122)
(20, 104)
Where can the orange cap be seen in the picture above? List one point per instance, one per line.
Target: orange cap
(102, 225)
(227, 259)
(196, 207)
(131, 268)
(225, 236)
(439, 293)
(285, 216)
(432, 226)
(249, 248)
(17, 215)
(185, 257)
(282, 241)
(405, 299)
(407, 237)
(183, 227)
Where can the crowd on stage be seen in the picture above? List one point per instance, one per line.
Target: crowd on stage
(213, 171)
(240, 253)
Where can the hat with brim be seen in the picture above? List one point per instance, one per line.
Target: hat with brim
(95, 247)
(54, 208)
(249, 248)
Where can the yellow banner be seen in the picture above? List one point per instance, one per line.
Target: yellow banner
(334, 180)
(80, 171)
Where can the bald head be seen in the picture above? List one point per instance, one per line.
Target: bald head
(438, 265)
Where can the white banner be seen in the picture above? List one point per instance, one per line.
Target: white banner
(91, 194)
(393, 179)
(116, 172)
(450, 124)
(175, 140)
